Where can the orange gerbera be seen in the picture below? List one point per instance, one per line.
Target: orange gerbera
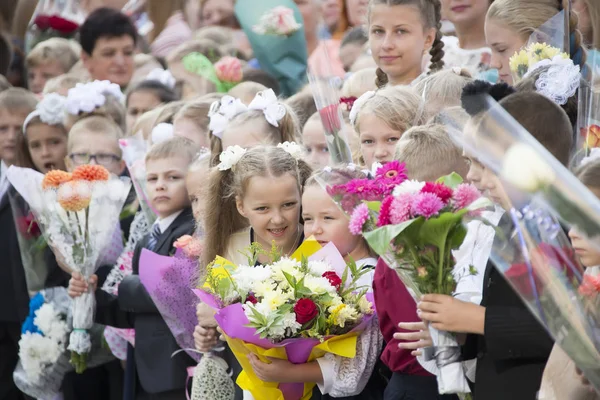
(91, 173)
(592, 139)
(55, 178)
(74, 195)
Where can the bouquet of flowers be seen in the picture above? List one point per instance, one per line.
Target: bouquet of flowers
(31, 243)
(79, 215)
(225, 74)
(415, 229)
(54, 18)
(293, 308)
(134, 150)
(278, 21)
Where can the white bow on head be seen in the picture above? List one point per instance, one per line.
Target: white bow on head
(163, 76)
(162, 132)
(50, 110)
(266, 101)
(223, 111)
(358, 104)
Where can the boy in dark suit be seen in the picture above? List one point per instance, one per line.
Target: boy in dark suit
(15, 105)
(152, 372)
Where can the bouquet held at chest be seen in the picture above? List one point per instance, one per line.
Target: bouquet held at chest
(297, 308)
(78, 213)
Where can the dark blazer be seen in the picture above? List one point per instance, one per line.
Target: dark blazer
(133, 308)
(513, 352)
(14, 298)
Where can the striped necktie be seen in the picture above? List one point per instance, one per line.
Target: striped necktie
(154, 235)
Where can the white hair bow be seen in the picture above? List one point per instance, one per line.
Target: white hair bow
(162, 132)
(51, 110)
(86, 97)
(266, 101)
(163, 76)
(358, 104)
(223, 111)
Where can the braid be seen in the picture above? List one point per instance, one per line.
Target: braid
(437, 49)
(382, 78)
(578, 53)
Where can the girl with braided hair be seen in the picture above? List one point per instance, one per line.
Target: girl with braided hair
(510, 23)
(401, 32)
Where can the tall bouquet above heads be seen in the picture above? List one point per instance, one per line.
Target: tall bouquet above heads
(79, 216)
(279, 21)
(54, 18)
(224, 74)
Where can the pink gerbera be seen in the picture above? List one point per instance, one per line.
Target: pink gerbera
(464, 195)
(392, 170)
(401, 208)
(360, 216)
(427, 204)
(439, 189)
(384, 211)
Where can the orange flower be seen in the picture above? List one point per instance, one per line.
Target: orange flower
(74, 195)
(592, 139)
(55, 178)
(91, 173)
(183, 242)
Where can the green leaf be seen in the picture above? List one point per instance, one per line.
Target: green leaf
(379, 239)
(478, 204)
(291, 280)
(435, 230)
(374, 205)
(452, 180)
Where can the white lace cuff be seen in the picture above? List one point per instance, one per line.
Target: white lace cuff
(327, 364)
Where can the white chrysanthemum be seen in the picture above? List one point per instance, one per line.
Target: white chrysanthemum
(318, 285)
(246, 277)
(277, 331)
(365, 306)
(408, 186)
(260, 288)
(318, 268)
(335, 301)
(274, 299)
(230, 157)
(289, 322)
(288, 266)
(44, 317)
(343, 314)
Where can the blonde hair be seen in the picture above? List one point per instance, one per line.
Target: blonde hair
(360, 83)
(197, 111)
(220, 35)
(429, 153)
(112, 109)
(222, 217)
(431, 16)
(399, 106)
(18, 100)
(61, 84)
(4, 83)
(174, 147)
(65, 52)
(246, 91)
(80, 71)
(95, 125)
(303, 104)
(204, 46)
(524, 17)
(589, 174)
(443, 89)
(145, 123)
(451, 115)
(287, 131)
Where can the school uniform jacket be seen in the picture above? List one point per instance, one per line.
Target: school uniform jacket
(133, 308)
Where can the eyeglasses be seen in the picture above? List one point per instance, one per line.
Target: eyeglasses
(100, 158)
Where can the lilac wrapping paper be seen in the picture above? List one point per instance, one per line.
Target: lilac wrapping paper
(168, 280)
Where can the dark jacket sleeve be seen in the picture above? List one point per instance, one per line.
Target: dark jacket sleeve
(133, 296)
(109, 313)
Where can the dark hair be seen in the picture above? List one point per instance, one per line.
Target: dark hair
(105, 23)
(303, 103)
(262, 77)
(164, 93)
(356, 35)
(473, 95)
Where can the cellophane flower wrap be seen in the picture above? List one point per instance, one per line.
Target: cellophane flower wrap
(415, 228)
(279, 21)
(79, 216)
(53, 18)
(134, 150)
(32, 243)
(296, 308)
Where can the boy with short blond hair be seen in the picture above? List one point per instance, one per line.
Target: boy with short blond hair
(15, 105)
(61, 84)
(430, 153)
(158, 374)
(49, 59)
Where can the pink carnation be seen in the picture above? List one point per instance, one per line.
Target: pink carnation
(427, 204)
(359, 217)
(401, 208)
(464, 195)
(439, 189)
(384, 212)
(229, 69)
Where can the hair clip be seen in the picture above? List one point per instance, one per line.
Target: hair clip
(294, 149)
(50, 110)
(230, 157)
(266, 101)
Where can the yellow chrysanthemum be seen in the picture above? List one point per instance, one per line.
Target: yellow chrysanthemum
(519, 63)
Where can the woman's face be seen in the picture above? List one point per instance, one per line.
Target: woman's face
(465, 12)
(218, 13)
(504, 44)
(310, 15)
(357, 12)
(331, 11)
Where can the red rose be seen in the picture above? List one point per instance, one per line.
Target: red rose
(42, 22)
(520, 277)
(333, 278)
(28, 227)
(330, 118)
(440, 190)
(306, 310)
(250, 298)
(62, 25)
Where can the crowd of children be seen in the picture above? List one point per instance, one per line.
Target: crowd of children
(215, 109)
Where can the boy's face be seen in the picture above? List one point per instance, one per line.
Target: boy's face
(95, 148)
(111, 59)
(11, 125)
(47, 145)
(315, 144)
(39, 75)
(494, 188)
(165, 182)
